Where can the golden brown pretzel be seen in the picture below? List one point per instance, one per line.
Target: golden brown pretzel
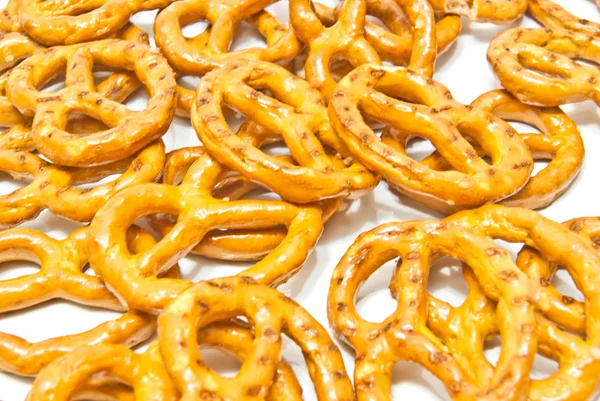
(539, 67)
(560, 142)
(9, 18)
(405, 336)
(129, 130)
(270, 314)
(548, 241)
(430, 112)
(198, 213)
(66, 22)
(494, 11)
(553, 16)
(61, 276)
(67, 376)
(240, 244)
(395, 43)
(297, 112)
(209, 50)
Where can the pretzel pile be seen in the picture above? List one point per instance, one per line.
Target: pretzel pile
(331, 105)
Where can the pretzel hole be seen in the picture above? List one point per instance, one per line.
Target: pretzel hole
(543, 367)
(221, 361)
(84, 318)
(539, 164)
(446, 281)
(138, 100)
(190, 31)
(81, 124)
(54, 81)
(417, 383)
(188, 81)
(492, 348)
(280, 10)
(374, 302)
(17, 268)
(563, 282)
(247, 36)
(13, 181)
(418, 148)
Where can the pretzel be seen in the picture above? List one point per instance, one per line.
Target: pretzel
(537, 65)
(238, 244)
(9, 19)
(67, 22)
(405, 336)
(198, 213)
(395, 43)
(61, 276)
(560, 141)
(494, 11)
(553, 16)
(130, 130)
(270, 314)
(144, 373)
(578, 359)
(297, 113)
(429, 112)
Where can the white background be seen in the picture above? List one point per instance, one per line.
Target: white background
(465, 71)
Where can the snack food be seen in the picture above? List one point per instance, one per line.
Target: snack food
(494, 11)
(129, 130)
(297, 112)
(240, 244)
(559, 141)
(198, 213)
(430, 112)
(395, 43)
(270, 314)
(9, 20)
(539, 66)
(553, 16)
(61, 276)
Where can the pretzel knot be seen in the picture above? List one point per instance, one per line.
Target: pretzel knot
(494, 11)
(405, 334)
(297, 113)
(129, 130)
(271, 313)
(66, 22)
(564, 333)
(241, 244)
(560, 141)
(429, 112)
(198, 213)
(395, 43)
(61, 276)
(538, 65)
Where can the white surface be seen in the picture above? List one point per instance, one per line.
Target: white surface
(464, 70)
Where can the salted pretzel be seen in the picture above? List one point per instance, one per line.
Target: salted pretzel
(66, 22)
(61, 276)
(404, 335)
(129, 131)
(560, 318)
(238, 244)
(270, 313)
(297, 112)
(429, 112)
(198, 214)
(395, 43)
(538, 66)
(553, 16)
(494, 11)
(560, 141)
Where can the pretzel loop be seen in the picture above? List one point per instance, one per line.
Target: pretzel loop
(271, 313)
(494, 11)
(553, 16)
(130, 131)
(537, 65)
(430, 112)
(405, 336)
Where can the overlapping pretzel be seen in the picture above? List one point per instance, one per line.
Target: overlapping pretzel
(65, 22)
(271, 314)
(405, 335)
(427, 110)
(198, 214)
(494, 11)
(539, 67)
(297, 112)
(129, 131)
(395, 43)
(553, 16)
(61, 276)
(560, 142)
(9, 18)
(239, 244)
